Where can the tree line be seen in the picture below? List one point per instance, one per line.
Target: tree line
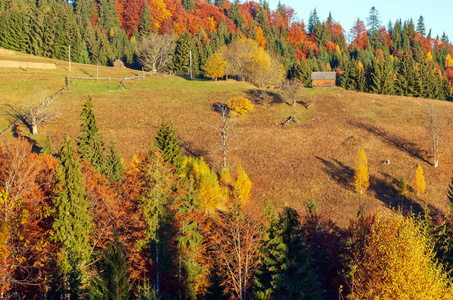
(401, 58)
(80, 223)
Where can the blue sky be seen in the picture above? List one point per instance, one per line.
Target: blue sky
(437, 14)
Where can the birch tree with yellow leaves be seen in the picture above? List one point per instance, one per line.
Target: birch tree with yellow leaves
(361, 176)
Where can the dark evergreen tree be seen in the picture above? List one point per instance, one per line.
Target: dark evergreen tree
(421, 26)
(166, 141)
(108, 17)
(322, 34)
(405, 75)
(72, 224)
(235, 15)
(89, 142)
(36, 25)
(12, 30)
(424, 79)
(374, 24)
(112, 279)
(114, 166)
(261, 20)
(382, 77)
(313, 21)
(84, 10)
(188, 5)
(182, 54)
(286, 270)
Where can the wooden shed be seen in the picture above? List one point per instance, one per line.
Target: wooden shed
(323, 79)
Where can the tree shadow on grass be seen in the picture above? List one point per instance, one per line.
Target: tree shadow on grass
(264, 97)
(386, 191)
(402, 144)
(339, 172)
(15, 112)
(190, 149)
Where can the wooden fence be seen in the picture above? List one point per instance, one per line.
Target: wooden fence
(67, 78)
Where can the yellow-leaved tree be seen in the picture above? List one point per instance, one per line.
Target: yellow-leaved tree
(246, 58)
(398, 262)
(419, 181)
(215, 65)
(361, 176)
(211, 194)
(239, 106)
(260, 37)
(448, 61)
(243, 186)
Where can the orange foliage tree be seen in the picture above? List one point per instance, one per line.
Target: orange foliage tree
(359, 35)
(26, 184)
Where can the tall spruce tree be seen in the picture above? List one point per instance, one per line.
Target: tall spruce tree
(286, 270)
(421, 26)
(146, 24)
(89, 142)
(166, 141)
(374, 24)
(72, 224)
(112, 279)
(181, 63)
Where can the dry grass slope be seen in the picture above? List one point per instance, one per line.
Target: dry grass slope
(287, 165)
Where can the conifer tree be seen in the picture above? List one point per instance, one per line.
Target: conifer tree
(421, 26)
(313, 21)
(286, 270)
(146, 24)
(405, 76)
(112, 274)
(181, 63)
(188, 5)
(166, 141)
(90, 145)
(114, 166)
(108, 18)
(382, 77)
(72, 224)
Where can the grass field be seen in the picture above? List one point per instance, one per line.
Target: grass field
(314, 158)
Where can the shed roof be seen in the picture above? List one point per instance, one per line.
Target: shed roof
(323, 75)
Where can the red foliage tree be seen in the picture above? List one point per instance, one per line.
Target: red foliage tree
(296, 34)
(359, 35)
(308, 47)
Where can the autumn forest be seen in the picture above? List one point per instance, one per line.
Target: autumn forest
(78, 222)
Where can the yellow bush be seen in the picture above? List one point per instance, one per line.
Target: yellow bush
(240, 106)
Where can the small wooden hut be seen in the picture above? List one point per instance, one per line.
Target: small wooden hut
(323, 79)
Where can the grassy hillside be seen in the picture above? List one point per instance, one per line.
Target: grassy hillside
(287, 165)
